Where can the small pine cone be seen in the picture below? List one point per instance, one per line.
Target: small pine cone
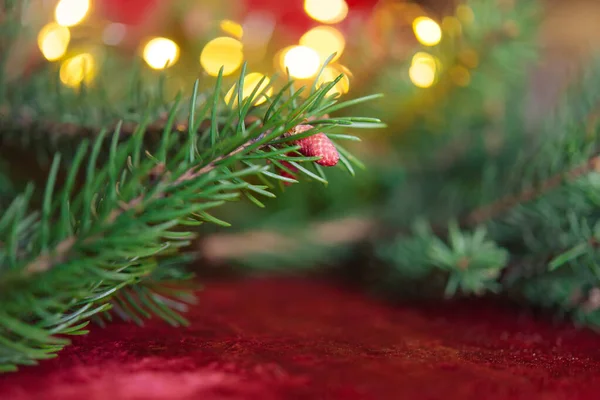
(318, 145)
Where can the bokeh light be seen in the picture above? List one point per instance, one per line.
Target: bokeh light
(302, 62)
(279, 58)
(460, 75)
(78, 69)
(469, 58)
(232, 28)
(427, 31)
(325, 40)
(451, 26)
(329, 74)
(326, 11)
(223, 52)
(71, 12)
(251, 81)
(422, 72)
(465, 14)
(160, 52)
(53, 41)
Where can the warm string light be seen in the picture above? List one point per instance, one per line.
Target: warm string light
(451, 26)
(465, 14)
(77, 70)
(326, 11)
(302, 62)
(53, 41)
(71, 12)
(423, 69)
(232, 28)
(160, 53)
(325, 40)
(460, 75)
(427, 31)
(223, 52)
(251, 82)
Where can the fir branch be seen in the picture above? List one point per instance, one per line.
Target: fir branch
(99, 246)
(505, 204)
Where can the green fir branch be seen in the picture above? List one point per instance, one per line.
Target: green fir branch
(96, 245)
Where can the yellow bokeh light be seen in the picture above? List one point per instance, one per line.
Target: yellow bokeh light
(422, 75)
(325, 40)
(71, 12)
(469, 58)
(451, 26)
(279, 58)
(251, 81)
(302, 62)
(326, 11)
(465, 13)
(223, 52)
(160, 52)
(425, 58)
(53, 41)
(232, 28)
(329, 74)
(427, 31)
(460, 75)
(78, 69)
(422, 72)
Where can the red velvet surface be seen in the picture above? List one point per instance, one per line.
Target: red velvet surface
(301, 339)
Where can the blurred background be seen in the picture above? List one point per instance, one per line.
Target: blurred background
(451, 73)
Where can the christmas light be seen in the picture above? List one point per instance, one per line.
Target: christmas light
(326, 11)
(251, 81)
(422, 72)
(71, 12)
(329, 74)
(232, 28)
(451, 26)
(160, 52)
(460, 75)
(223, 52)
(53, 41)
(427, 31)
(325, 40)
(302, 62)
(78, 69)
(279, 58)
(421, 75)
(469, 58)
(465, 14)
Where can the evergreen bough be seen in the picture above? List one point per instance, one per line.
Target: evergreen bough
(105, 232)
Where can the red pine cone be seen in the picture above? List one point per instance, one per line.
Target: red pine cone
(318, 145)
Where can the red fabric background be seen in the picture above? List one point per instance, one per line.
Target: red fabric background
(301, 339)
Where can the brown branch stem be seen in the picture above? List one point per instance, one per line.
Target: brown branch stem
(27, 121)
(504, 204)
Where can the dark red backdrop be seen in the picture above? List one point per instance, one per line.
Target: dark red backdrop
(299, 339)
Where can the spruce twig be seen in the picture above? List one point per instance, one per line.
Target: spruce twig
(501, 206)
